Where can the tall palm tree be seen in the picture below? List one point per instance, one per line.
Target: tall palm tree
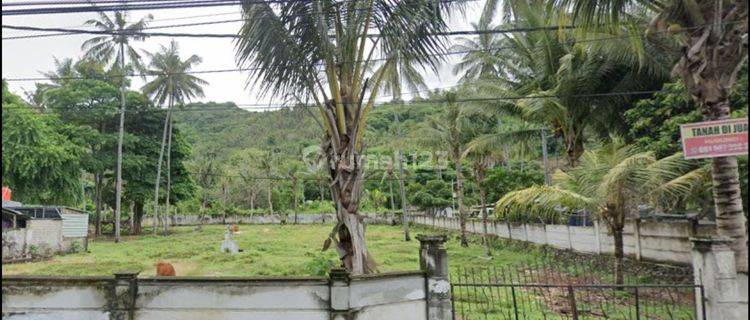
(556, 70)
(610, 181)
(453, 130)
(109, 49)
(64, 71)
(173, 85)
(321, 50)
(480, 60)
(713, 40)
(401, 72)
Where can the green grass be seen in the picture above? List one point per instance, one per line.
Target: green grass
(279, 250)
(295, 250)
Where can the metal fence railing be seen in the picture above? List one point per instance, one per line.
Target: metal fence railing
(551, 293)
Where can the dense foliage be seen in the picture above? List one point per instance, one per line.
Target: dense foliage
(42, 156)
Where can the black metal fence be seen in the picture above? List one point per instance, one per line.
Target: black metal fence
(556, 291)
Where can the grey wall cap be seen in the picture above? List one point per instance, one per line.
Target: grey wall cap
(432, 238)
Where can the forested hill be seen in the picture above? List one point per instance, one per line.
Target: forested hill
(224, 128)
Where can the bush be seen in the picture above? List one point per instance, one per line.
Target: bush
(75, 247)
(319, 264)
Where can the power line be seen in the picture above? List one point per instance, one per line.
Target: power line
(68, 31)
(133, 7)
(255, 69)
(85, 2)
(145, 28)
(273, 107)
(153, 5)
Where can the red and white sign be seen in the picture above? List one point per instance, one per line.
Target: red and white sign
(713, 139)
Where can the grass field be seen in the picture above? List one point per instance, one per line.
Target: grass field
(295, 250)
(279, 250)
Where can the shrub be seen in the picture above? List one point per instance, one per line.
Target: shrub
(319, 264)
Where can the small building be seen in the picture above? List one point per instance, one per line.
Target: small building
(16, 235)
(42, 231)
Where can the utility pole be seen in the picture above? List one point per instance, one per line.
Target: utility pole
(118, 183)
(404, 215)
(547, 179)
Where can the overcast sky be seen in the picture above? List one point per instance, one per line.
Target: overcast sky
(24, 58)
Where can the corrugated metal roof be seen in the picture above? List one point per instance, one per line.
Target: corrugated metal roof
(75, 225)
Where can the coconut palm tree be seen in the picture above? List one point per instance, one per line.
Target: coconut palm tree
(610, 181)
(482, 52)
(453, 130)
(559, 71)
(111, 49)
(487, 148)
(401, 72)
(713, 40)
(171, 85)
(321, 50)
(64, 71)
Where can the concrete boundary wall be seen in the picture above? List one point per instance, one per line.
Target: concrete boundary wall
(188, 220)
(416, 295)
(667, 242)
(125, 296)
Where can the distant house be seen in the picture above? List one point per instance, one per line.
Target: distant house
(42, 230)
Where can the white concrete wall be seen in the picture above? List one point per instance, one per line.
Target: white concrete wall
(667, 242)
(388, 297)
(55, 298)
(384, 296)
(187, 299)
(45, 234)
(180, 220)
(14, 243)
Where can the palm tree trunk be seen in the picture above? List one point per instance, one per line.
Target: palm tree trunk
(169, 173)
(201, 213)
(269, 193)
(321, 189)
(120, 137)
(158, 166)
(730, 216)
(400, 154)
(132, 216)
(483, 202)
(98, 203)
(137, 217)
(545, 161)
(574, 144)
(711, 59)
(346, 192)
(253, 194)
(460, 197)
(294, 206)
(390, 188)
(224, 203)
(619, 254)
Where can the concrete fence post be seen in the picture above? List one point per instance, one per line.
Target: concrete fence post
(123, 295)
(510, 232)
(526, 232)
(433, 260)
(339, 285)
(637, 236)
(724, 294)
